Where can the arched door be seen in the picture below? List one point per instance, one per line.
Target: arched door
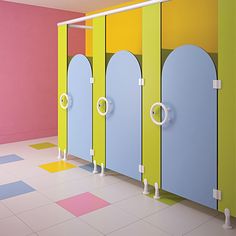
(123, 122)
(189, 138)
(80, 109)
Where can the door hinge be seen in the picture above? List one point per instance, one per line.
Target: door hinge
(92, 152)
(91, 80)
(216, 84)
(217, 194)
(141, 82)
(141, 169)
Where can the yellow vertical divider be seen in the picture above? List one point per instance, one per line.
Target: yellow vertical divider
(226, 106)
(62, 84)
(151, 50)
(99, 88)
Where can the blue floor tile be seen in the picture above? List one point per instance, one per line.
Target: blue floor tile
(14, 189)
(10, 158)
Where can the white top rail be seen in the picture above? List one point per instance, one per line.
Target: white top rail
(106, 13)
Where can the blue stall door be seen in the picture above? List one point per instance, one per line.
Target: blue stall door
(80, 109)
(123, 123)
(189, 139)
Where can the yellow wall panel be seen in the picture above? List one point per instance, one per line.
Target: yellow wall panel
(124, 31)
(151, 91)
(227, 107)
(99, 88)
(190, 22)
(62, 84)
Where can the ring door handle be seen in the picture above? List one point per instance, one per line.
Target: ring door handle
(101, 104)
(64, 101)
(152, 113)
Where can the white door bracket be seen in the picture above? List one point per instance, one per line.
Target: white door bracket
(91, 80)
(141, 169)
(91, 152)
(216, 84)
(141, 82)
(217, 194)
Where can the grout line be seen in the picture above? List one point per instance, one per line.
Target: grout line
(124, 226)
(210, 219)
(59, 223)
(80, 218)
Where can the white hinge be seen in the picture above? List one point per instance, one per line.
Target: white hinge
(216, 194)
(91, 80)
(92, 152)
(216, 84)
(141, 82)
(141, 169)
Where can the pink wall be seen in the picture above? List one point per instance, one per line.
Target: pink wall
(28, 69)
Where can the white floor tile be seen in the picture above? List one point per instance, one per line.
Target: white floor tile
(108, 219)
(36, 212)
(26, 202)
(96, 181)
(55, 179)
(24, 169)
(78, 186)
(141, 206)
(4, 212)
(6, 178)
(13, 226)
(44, 217)
(117, 192)
(73, 227)
(181, 218)
(65, 190)
(139, 228)
(214, 228)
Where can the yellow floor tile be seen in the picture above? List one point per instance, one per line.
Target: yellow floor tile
(40, 146)
(57, 166)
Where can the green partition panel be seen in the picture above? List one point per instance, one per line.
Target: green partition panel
(99, 88)
(62, 84)
(227, 107)
(151, 91)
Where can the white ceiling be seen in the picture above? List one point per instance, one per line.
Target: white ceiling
(73, 5)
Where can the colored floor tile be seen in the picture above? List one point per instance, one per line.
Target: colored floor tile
(40, 146)
(82, 204)
(10, 158)
(57, 166)
(14, 189)
(167, 198)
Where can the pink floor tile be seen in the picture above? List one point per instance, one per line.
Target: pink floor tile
(82, 204)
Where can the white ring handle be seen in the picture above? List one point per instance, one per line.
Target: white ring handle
(64, 95)
(152, 112)
(99, 105)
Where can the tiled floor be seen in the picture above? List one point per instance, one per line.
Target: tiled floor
(39, 202)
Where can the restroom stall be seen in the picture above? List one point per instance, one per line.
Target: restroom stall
(163, 118)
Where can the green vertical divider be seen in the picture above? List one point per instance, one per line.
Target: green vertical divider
(151, 44)
(99, 88)
(226, 106)
(62, 84)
